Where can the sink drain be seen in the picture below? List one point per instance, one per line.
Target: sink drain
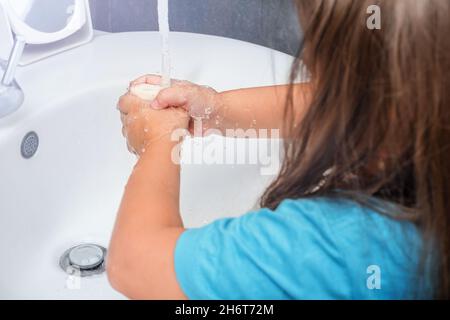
(84, 259)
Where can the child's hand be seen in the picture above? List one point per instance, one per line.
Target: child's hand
(198, 101)
(142, 125)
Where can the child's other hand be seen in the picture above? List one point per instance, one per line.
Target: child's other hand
(198, 101)
(142, 125)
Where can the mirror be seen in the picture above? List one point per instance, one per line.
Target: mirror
(44, 15)
(45, 21)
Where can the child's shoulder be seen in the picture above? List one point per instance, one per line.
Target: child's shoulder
(338, 221)
(346, 221)
(341, 213)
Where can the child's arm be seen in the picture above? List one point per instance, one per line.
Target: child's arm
(258, 108)
(140, 261)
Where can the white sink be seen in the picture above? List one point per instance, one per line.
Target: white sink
(68, 193)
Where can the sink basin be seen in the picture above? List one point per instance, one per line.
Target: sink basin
(68, 192)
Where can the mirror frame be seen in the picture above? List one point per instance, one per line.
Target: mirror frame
(33, 36)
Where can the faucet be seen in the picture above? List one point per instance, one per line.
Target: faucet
(11, 95)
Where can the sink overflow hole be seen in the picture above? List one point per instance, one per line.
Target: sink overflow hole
(29, 145)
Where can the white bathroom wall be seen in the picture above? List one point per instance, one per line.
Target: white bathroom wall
(272, 23)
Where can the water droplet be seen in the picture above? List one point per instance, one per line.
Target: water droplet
(208, 110)
(143, 150)
(145, 130)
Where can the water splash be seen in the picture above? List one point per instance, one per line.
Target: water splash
(164, 29)
(208, 110)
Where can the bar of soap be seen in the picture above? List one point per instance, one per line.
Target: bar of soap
(146, 91)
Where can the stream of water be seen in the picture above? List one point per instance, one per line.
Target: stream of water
(163, 21)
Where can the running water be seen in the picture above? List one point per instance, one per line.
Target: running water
(163, 21)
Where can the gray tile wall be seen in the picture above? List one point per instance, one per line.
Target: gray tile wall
(271, 23)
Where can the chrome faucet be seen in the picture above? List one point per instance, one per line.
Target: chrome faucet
(11, 95)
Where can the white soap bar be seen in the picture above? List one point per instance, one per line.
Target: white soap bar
(146, 91)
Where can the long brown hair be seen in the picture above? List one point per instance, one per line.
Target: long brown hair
(378, 125)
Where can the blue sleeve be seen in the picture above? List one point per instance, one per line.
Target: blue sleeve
(284, 254)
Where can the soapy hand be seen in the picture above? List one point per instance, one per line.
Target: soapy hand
(142, 125)
(200, 102)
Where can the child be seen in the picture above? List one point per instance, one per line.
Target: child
(360, 208)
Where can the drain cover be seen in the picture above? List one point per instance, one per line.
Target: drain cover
(86, 256)
(86, 259)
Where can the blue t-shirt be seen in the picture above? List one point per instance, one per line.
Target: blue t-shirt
(305, 249)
